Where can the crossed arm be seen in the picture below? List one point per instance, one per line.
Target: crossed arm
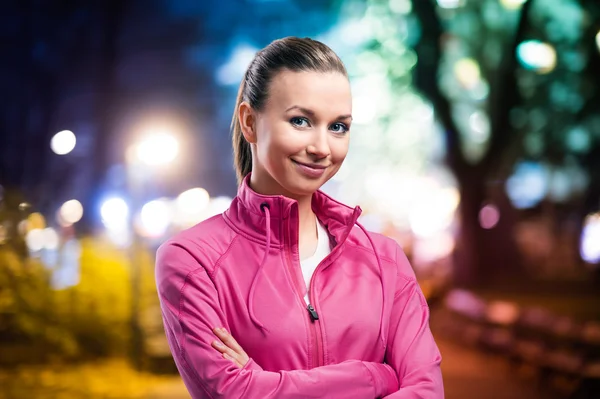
(210, 370)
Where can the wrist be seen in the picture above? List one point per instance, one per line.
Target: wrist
(384, 378)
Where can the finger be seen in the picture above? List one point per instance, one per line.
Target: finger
(235, 361)
(229, 341)
(224, 349)
(227, 352)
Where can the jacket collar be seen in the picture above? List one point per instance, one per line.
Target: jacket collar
(246, 215)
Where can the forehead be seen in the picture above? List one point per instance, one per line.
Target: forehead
(319, 91)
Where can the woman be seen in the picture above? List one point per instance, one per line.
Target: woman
(285, 295)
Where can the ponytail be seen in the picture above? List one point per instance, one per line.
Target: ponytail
(241, 148)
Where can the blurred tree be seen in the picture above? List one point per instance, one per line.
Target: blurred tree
(87, 321)
(510, 81)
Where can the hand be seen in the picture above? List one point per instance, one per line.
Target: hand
(229, 348)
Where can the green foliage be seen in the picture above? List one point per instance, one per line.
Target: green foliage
(88, 320)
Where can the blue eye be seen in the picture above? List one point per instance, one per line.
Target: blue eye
(297, 121)
(339, 128)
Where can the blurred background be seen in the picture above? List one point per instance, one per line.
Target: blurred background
(475, 144)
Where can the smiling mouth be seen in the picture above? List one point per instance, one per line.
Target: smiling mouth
(310, 165)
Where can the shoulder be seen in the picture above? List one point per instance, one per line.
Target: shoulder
(194, 249)
(388, 249)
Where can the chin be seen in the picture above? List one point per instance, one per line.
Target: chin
(301, 187)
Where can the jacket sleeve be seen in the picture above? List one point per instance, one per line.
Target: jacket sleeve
(190, 308)
(411, 350)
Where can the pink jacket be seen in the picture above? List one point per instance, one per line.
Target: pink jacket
(365, 333)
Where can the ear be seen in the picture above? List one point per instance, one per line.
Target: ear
(247, 118)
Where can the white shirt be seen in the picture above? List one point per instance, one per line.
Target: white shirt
(309, 264)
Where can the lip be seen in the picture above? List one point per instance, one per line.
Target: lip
(310, 170)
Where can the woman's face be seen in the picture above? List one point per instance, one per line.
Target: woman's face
(301, 137)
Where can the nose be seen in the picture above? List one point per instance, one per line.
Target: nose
(319, 144)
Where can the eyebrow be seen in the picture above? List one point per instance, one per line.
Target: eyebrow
(312, 113)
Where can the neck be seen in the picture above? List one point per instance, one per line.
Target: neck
(306, 217)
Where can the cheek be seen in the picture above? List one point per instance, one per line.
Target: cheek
(339, 149)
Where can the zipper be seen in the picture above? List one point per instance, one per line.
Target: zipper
(312, 314)
(312, 300)
(315, 331)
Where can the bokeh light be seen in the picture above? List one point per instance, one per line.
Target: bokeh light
(155, 218)
(35, 240)
(598, 40)
(450, 3)
(71, 212)
(489, 215)
(590, 239)
(157, 149)
(50, 238)
(512, 4)
(63, 142)
(218, 205)
(528, 184)
(537, 56)
(232, 72)
(190, 206)
(114, 213)
(35, 220)
(434, 213)
(467, 72)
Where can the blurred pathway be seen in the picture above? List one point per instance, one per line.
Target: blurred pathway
(470, 374)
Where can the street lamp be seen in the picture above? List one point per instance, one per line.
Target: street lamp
(158, 148)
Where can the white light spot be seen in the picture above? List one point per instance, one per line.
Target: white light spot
(155, 218)
(50, 238)
(158, 149)
(537, 56)
(450, 3)
(71, 212)
(63, 142)
(35, 240)
(191, 206)
(590, 239)
(480, 125)
(114, 213)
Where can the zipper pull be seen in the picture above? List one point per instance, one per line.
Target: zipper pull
(313, 313)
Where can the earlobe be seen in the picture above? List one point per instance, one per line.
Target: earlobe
(247, 122)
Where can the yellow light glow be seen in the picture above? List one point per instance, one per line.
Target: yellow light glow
(467, 72)
(63, 142)
(35, 221)
(512, 4)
